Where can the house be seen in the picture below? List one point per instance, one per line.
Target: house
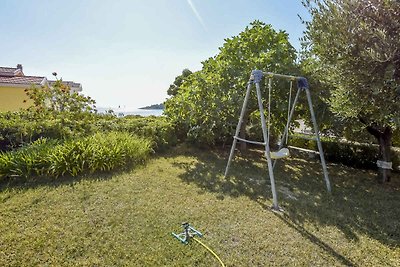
(73, 86)
(13, 83)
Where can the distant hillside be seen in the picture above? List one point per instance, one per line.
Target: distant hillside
(155, 106)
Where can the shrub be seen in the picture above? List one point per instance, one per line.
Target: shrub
(27, 161)
(396, 138)
(158, 129)
(353, 154)
(99, 152)
(20, 128)
(70, 116)
(55, 113)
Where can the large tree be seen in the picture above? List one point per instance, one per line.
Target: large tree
(206, 106)
(354, 49)
(179, 80)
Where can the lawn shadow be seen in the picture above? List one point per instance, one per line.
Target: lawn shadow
(357, 203)
(36, 182)
(207, 172)
(314, 239)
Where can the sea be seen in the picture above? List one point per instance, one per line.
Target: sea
(143, 112)
(140, 112)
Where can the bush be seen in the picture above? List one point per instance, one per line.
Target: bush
(158, 129)
(99, 152)
(20, 128)
(396, 138)
(353, 154)
(55, 113)
(30, 160)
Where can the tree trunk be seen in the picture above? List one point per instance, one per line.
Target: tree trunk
(385, 141)
(384, 138)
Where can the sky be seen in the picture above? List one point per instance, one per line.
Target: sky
(127, 52)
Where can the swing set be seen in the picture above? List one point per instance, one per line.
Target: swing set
(190, 233)
(302, 86)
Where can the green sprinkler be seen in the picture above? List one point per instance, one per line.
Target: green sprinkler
(189, 233)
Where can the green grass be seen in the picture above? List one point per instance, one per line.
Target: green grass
(127, 219)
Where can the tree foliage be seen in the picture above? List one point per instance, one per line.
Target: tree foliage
(207, 106)
(59, 98)
(179, 80)
(64, 111)
(352, 47)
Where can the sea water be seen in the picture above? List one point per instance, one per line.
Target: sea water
(143, 112)
(135, 111)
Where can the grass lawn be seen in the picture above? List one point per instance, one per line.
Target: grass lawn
(127, 219)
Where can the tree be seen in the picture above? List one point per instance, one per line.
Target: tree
(73, 113)
(207, 106)
(179, 80)
(353, 48)
(59, 98)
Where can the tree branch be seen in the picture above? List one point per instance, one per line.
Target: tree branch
(371, 129)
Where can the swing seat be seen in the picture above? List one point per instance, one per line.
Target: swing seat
(282, 153)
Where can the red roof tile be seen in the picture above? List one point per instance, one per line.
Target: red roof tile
(68, 83)
(8, 72)
(22, 80)
(7, 69)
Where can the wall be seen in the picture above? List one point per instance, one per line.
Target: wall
(11, 98)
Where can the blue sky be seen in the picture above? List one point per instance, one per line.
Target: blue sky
(127, 52)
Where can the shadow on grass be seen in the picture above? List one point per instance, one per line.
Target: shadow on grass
(312, 238)
(36, 182)
(357, 205)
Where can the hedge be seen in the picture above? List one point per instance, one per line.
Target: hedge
(158, 129)
(18, 129)
(353, 154)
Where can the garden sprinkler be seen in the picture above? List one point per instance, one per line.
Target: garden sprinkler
(190, 233)
(187, 234)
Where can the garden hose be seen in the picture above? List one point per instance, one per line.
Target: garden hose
(209, 249)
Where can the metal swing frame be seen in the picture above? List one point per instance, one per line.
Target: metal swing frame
(302, 86)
